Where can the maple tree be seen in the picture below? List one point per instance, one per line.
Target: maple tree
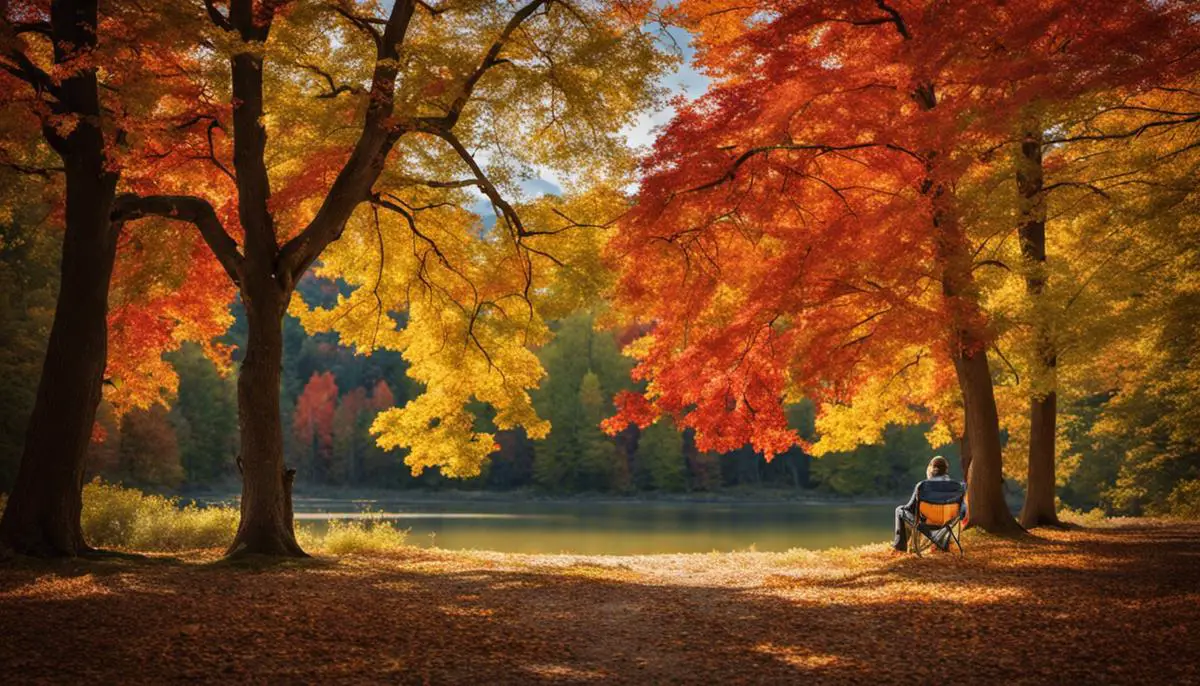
(1110, 68)
(314, 416)
(98, 96)
(799, 231)
(323, 145)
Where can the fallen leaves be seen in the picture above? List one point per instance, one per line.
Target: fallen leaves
(1058, 606)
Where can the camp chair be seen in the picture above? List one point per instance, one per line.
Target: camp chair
(939, 516)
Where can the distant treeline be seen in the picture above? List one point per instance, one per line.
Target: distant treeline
(330, 396)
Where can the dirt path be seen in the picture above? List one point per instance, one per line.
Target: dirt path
(1118, 605)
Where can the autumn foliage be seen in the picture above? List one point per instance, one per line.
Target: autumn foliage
(800, 229)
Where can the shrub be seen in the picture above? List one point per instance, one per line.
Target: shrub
(361, 536)
(1095, 518)
(1184, 500)
(118, 517)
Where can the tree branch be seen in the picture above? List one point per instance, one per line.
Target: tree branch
(485, 184)
(490, 59)
(814, 147)
(335, 89)
(215, 15)
(356, 177)
(198, 211)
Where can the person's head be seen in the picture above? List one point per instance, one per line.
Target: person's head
(938, 466)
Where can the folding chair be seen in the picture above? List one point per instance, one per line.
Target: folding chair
(939, 516)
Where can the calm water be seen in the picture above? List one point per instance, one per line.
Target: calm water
(616, 528)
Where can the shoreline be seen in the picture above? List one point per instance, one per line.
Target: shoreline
(302, 495)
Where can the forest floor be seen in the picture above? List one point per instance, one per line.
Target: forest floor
(1119, 604)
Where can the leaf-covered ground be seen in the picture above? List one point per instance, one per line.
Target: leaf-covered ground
(1110, 605)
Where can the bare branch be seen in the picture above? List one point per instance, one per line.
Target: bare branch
(23, 68)
(814, 147)
(1132, 133)
(39, 27)
(43, 172)
(222, 22)
(485, 184)
(335, 89)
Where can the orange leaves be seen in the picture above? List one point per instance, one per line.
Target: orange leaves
(797, 229)
(315, 408)
(166, 288)
(632, 408)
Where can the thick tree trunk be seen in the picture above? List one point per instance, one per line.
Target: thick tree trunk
(43, 514)
(1039, 508)
(266, 526)
(985, 479)
(964, 444)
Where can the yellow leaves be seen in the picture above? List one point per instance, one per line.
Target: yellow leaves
(905, 397)
(640, 347)
(455, 304)
(463, 297)
(459, 361)
(939, 435)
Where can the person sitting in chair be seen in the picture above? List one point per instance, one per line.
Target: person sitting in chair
(938, 470)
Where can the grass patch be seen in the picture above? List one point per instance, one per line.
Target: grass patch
(357, 536)
(127, 518)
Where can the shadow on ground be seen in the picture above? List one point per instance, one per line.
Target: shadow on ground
(1100, 606)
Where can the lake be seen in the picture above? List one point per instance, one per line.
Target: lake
(615, 527)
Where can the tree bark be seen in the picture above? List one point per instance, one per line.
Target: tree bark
(266, 526)
(43, 514)
(1039, 508)
(985, 479)
(964, 444)
(968, 349)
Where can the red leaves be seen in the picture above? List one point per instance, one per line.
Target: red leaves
(797, 231)
(632, 408)
(314, 416)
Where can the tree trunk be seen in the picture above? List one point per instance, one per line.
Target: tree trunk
(1039, 508)
(967, 346)
(266, 526)
(985, 479)
(964, 444)
(43, 514)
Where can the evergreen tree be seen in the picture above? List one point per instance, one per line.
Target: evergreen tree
(205, 417)
(601, 466)
(660, 453)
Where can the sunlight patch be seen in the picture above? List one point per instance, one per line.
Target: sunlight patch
(60, 588)
(798, 657)
(564, 672)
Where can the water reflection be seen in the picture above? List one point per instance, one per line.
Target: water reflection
(616, 528)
